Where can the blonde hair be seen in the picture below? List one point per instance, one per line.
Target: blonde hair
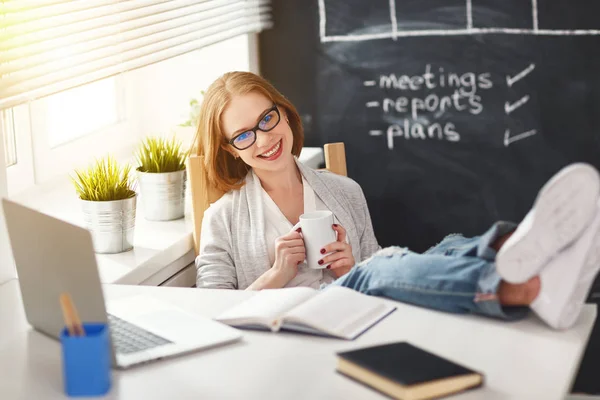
(224, 171)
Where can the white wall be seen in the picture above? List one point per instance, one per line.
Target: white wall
(184, 77)
(7, 270)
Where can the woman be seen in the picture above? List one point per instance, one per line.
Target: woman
(250, 136)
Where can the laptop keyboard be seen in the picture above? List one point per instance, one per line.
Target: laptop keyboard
(129, 338)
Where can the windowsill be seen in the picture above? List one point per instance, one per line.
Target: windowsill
(161, 249)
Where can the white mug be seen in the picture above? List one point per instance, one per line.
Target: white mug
(317, 232)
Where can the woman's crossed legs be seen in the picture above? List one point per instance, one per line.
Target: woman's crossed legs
(547, 264)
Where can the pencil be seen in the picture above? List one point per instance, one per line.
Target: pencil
(70, 316)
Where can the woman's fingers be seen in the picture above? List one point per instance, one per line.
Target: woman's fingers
(293, 243)
(335, 246)
(340, 265)
(299, 260)
(292, 239)
(334, 258)
(338, 256)
(295, 250)
(289, 249)
(291, 235)
(341, 232)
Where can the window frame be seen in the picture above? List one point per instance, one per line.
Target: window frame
(116, 139)
(20, 176)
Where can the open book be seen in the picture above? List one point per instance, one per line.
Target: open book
(335, 311)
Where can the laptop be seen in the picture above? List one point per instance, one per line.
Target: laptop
(53, 257)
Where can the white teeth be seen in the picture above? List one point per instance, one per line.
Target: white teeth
(273, 151)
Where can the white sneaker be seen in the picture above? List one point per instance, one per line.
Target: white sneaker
(566, 280)
(563, 208)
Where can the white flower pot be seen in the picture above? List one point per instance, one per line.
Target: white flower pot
(111, 224)
(162, 195)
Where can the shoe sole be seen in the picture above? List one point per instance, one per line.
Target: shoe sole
(591, 266)
(563, 209)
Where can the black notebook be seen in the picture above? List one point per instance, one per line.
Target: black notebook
(407, 372)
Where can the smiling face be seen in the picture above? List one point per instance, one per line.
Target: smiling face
(272, 150)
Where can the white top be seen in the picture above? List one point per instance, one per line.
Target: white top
(276, 225)
(233, 246)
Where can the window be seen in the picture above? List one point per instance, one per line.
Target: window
(71, 128)
(81, 111)
(50, 137)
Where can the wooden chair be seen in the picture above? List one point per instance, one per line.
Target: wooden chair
(204, 194)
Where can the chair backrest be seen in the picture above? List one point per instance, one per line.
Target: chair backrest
(203, 194)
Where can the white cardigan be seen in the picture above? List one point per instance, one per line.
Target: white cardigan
(233, 250)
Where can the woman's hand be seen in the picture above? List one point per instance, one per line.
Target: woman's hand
(341, 258)
(289, 253)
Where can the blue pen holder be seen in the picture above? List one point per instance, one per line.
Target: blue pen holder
(86, 361)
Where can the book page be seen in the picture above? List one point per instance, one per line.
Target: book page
(266, 306)
(339, 311)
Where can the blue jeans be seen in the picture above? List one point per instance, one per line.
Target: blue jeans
(458, 275)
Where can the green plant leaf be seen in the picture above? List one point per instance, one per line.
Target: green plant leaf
(104, 180)
(158, 154)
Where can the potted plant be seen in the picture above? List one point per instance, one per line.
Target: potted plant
(161, 176)
(109, 202)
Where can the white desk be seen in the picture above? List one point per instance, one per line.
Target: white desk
(523, 360)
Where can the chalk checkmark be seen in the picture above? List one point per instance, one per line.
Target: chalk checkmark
(511, 80)
(508, 139)
(508, 107)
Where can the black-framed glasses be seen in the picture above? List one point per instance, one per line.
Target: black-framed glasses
(267, 122)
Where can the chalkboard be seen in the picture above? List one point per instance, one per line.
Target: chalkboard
(454, 113)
